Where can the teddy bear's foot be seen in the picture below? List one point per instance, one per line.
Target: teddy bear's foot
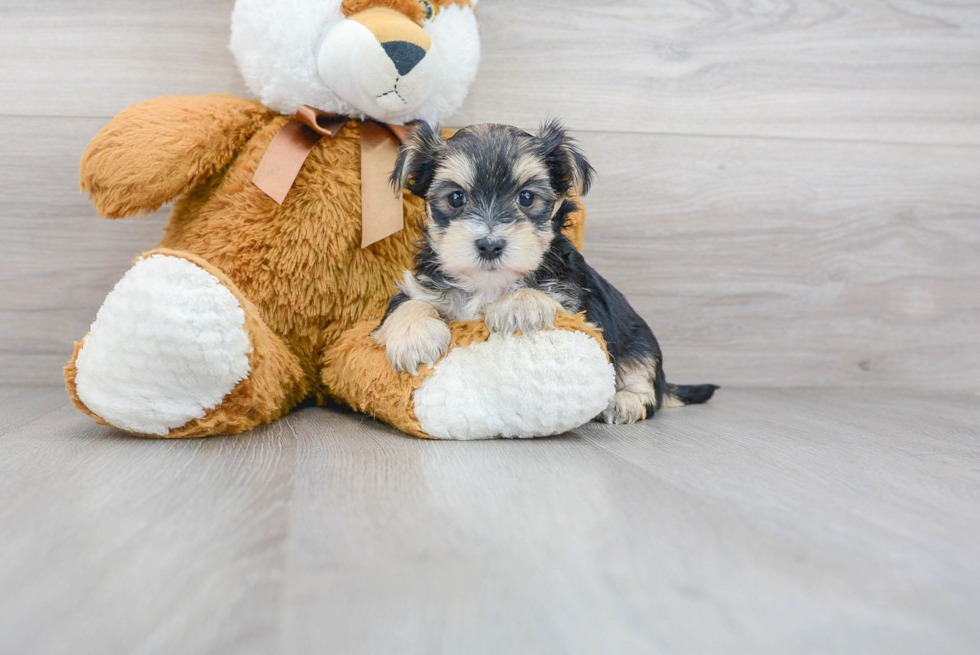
(533, 385)
(175, 352)
(488, 385)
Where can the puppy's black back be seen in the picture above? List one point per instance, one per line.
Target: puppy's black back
(628, 337)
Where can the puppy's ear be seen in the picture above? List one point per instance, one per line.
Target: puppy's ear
(417, 160)
(567, 165)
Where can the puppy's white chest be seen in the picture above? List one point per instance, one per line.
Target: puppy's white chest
(464, 306)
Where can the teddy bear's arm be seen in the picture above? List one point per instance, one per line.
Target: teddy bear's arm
(156, 150)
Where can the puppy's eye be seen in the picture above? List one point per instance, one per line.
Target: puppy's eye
(456, 199)
(427, 10)
(525, 198)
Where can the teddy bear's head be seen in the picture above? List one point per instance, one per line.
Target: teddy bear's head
(389, 60)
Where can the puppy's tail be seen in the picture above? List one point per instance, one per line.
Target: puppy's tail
(679, 395)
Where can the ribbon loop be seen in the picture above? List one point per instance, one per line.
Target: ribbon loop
(320, 122)
(382, 210)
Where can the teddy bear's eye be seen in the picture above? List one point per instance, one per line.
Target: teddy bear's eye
(427, 9)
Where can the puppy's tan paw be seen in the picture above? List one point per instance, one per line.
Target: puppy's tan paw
(626, 407)
(527, 310)
(413, 335)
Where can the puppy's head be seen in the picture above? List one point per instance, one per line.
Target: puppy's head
(493, 194)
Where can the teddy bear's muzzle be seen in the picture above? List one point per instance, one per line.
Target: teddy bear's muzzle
(381, 62)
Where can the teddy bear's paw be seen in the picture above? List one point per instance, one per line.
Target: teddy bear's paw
(524, 310)
(531, 385)
(168, 344)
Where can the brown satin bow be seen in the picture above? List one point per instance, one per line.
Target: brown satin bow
(382, 212)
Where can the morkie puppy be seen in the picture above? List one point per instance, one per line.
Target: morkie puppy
(493, 248)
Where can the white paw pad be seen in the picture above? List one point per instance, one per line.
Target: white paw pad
(533, 385)
(168, 344)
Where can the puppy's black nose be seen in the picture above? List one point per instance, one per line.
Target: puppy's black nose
(404, 55)
(490, 248)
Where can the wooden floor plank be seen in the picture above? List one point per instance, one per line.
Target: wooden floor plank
(748, 523)
(758, 262)
(111, 544)
(19, 405)
(96, 57)
(767, 521)
(774, 263)
(798, 69)
(884, 71)
(872, 497)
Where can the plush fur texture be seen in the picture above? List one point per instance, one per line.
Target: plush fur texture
(274, 383)
(358, 374)
(160, 149)
(299, 266)
(163, 304)
(553, 381)
(350, 71)
(296, 270)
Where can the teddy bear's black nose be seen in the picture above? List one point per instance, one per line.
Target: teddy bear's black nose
(404, 55)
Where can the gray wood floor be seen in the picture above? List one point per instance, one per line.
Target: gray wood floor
(768, 521)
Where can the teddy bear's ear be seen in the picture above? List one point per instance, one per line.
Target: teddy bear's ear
(567, 165)
(417, 160)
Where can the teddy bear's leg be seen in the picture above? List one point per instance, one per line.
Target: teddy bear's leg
(177, 351)
(488, 385)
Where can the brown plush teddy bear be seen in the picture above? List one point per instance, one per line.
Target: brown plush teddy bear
(251, 301)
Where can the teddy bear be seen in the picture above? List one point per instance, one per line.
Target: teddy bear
(285, 241)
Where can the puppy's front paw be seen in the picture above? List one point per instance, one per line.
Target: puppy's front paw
(626, 407)
(527, 310)
(413, 335)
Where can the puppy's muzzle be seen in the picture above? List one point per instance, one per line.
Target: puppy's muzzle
(490, 248)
